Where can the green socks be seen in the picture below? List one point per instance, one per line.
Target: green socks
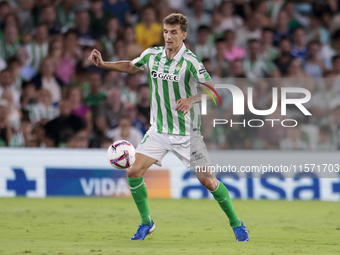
(140, 194)
(221, 195)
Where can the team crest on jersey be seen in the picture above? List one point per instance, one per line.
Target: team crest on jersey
(178, 67)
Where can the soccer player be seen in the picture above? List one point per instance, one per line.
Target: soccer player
(174, 72)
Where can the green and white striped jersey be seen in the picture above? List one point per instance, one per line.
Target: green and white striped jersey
(169, 81)
(36, 53)
(39, 111)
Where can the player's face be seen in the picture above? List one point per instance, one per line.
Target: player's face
(173, 36)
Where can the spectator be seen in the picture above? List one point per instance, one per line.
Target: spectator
(43, 111)
(67, 139)
(282, 29)
(10, 44)
(196, 18)
(38, 49)
(40, 137)
(71, 47)
(130, 109)
(283, 60)
(120, 50)
(270, 136)
(14, 114)
(215, 24)
(317, 32)
(229, 20)
(11, 20)
(5, 125)
(314, 65)
(85, 63)
(330, 50)
(5, 9)
(28, 96)
(81, 81)
(144, 104)
(120, 9)
(110, 36)
(109, 111)
(232, 51)
(294, 17)
(325, 140)
(133, 49)
(86, 35)
(219, 62)
(293, 141)
(236, 69)
(75, 97)
(336, 72)
(268, 51)
(64, 64)
(261, 8)
(163, 10)
(282, 63)
(48, 16)
(149, 31)
(46, 79)
(66, 14)
(299, 48)
(113, 79)
(105, 142)
(204, 48)
(22, 9)
(81, 139)
(95, 97)
(6, 83)
(334, 124)
(295, 69)
(24, 136)
(98, 16)
(255, 66)
(250, 30)
(14, 66)
(26, 71)
(125, 131)
(66, 120)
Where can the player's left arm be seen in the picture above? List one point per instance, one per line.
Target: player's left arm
(203, 79)
(185, 104)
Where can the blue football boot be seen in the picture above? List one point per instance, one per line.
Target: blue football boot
(241, 233)
(143, 231)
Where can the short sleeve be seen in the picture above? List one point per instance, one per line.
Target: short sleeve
(141, 62)
(198, 70)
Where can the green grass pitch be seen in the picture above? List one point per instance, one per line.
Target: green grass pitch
(104, 226)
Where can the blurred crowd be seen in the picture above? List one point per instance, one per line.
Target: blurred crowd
(51, 95)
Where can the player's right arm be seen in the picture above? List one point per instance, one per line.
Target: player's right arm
(119, 66)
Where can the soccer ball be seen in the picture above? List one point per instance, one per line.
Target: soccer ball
(121, 154)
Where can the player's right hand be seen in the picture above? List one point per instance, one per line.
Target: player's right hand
(96, 58)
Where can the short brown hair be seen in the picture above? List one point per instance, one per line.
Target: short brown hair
(177, 19)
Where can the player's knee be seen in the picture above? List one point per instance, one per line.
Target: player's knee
(134, 171)
(210, 183)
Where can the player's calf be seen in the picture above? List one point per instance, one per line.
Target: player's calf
(207, 179)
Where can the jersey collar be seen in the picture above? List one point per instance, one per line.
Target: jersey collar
(179, 54)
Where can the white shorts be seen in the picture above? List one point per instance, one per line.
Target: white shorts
(190, 149)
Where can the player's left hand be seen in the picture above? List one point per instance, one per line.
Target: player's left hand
(183, 105)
